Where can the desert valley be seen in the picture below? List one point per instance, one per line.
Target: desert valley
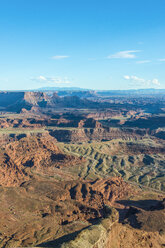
(81, 168)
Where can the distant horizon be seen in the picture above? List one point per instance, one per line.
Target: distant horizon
(81, 89)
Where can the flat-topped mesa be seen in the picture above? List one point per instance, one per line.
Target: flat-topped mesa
(16, 101)
(94, 131)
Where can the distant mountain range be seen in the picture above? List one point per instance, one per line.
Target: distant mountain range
(61, 89)
(76, 91)
(70, 91)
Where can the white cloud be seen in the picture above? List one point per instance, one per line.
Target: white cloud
(143, 61)
(124, 55)
(156, 81)
(161, 60)
(141, 82)
(42, 78)
(126, 77)
(57, 57)
(53, 80)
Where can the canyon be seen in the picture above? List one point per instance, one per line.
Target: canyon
(82, 169)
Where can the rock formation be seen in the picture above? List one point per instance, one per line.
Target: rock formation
(32, 152)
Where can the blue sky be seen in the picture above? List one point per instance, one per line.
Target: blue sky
(108, 44)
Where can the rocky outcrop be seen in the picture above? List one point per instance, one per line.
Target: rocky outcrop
(104, 114)
(43, 210)
(143, 226)
(37, 152)
(16, 101)
(101, 191)
(95, 236)
(36, 98)
(89, 123)
(128, 237)
(66, 135)
(97, 133)
(21, 123)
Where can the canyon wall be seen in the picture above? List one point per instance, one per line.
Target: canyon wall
(98, 134)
